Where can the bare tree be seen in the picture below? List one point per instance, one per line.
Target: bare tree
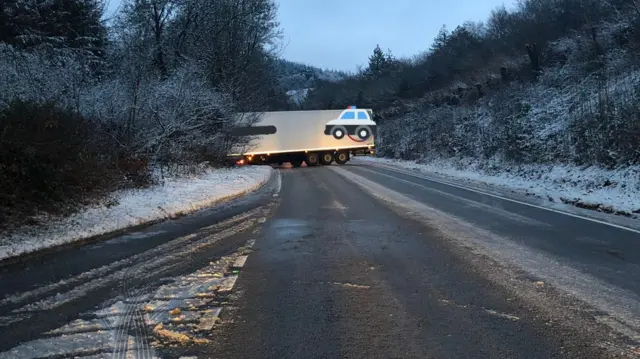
(234, 40)
(145, 21)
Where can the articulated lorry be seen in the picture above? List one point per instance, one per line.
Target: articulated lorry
(310, 137)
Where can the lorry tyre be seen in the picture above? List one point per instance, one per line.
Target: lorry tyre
(342, 157)
(326, 158)
(312, 159)
(296, 163)
(363, 132)
(338, 132)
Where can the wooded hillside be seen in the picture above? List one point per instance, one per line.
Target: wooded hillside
(552, 81)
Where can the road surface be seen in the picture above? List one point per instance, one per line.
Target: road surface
(353, 261)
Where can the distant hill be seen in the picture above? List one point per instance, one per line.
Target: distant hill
(296, 78)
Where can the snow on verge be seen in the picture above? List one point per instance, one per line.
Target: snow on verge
(134, 207)
(612, 191)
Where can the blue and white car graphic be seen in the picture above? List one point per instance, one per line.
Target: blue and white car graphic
(352, 122)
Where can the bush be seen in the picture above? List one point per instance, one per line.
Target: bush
(53, 159)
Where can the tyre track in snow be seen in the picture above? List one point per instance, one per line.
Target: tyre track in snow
(88, 279)
(135, 326)
(31, 314)
(133, 321)
(63, 264)
(92, 292)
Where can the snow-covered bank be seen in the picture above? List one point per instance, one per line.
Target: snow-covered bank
(614, 191)
(134, 207)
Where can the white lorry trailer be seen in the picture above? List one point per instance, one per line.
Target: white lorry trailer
(312, 137)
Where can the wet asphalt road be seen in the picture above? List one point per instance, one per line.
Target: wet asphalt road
(608, 253)
(337, 272)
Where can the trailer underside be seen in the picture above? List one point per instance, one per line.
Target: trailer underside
(297, 158)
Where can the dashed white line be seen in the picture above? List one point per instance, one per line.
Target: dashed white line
(239, 262)
(227, 284)
(279, 184)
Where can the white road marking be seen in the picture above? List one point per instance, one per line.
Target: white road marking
(279, 184)
(239, 263)
(502, 315)
(227, 284)
(509, 199)
(470, 202)
(335, 205)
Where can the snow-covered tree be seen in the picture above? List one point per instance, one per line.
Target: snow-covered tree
(549, 81)
(56, 23)
(171, 76)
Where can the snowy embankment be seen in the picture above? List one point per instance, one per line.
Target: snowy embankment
(177, 196)
(611, 191)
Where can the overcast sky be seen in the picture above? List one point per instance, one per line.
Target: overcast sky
(341, 34)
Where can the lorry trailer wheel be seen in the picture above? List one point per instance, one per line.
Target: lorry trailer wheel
(312, 159)
(342, 157)
(326, 158)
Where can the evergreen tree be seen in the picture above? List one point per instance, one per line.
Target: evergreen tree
(377, 63)
(441, 39)
(57, 23)
(391, 63)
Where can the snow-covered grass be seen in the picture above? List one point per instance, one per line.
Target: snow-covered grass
(616, 191)
(567, 138)
(177, 196)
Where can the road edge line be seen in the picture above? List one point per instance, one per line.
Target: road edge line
(507, 199)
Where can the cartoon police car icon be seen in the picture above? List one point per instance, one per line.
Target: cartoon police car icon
(351, 122)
